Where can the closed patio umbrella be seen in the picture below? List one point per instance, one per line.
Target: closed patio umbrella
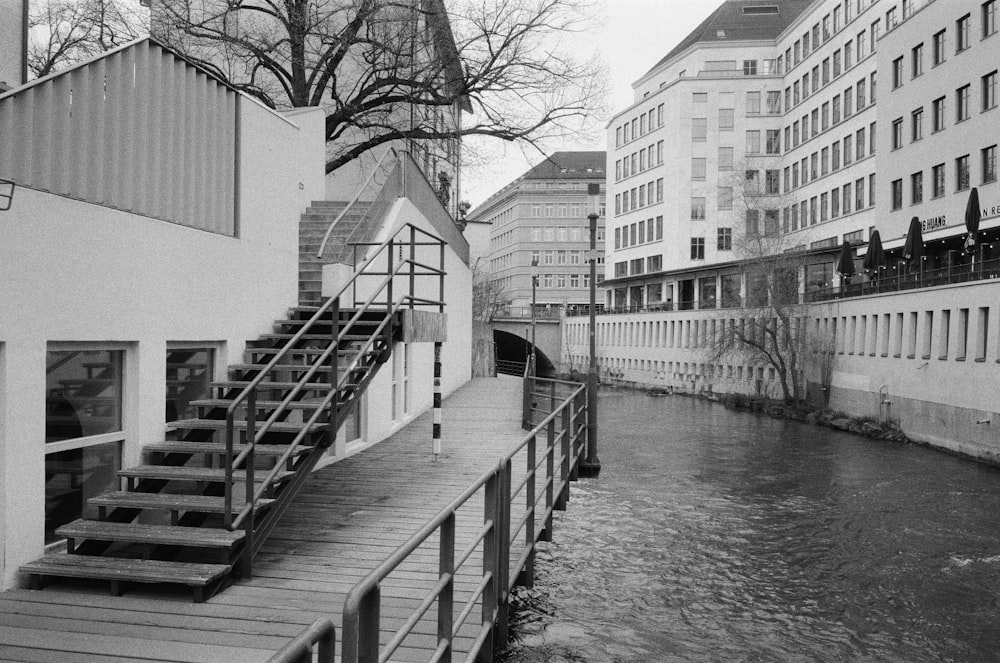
(972, 215)
(845, 265)
(913, 250)
(875, 257)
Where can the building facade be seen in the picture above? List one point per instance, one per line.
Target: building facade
(767, 113)
(886, 113)
(13, 30)
(539, 228)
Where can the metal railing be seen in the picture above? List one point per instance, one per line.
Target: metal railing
(513, 520)
(524, 313)
(895, 282)
(385, 189)
(399, 265)
(321, 634)
(506, 367)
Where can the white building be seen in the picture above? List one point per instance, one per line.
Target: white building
(152, 238)
(888, 112)
(761, 121)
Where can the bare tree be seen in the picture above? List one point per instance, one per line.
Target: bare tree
(389, 70)
(64, 32)
(770, 327)
(486, 293)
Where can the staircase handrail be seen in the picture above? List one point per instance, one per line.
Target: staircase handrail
(357, 196)
(248, 393)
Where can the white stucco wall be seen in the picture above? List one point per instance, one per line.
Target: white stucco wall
(456, 363)
(78, 272)
(11, 53)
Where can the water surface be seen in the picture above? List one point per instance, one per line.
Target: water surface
(714, 535)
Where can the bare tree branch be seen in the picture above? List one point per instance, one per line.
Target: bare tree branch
(388, 70)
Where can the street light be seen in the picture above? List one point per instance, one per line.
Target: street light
(534, 286)
(591, 466)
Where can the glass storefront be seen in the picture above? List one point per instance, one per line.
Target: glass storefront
(83, 431)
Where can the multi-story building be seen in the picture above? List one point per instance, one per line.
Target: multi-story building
(767, 114)
(539, 227)
(866, 143)
(939, 108)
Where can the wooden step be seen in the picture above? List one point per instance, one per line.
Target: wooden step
(298, 368)
(160, 535)
(280, 386)
(183, 473)
(186, 447)
(311, 404)
(118, 570)
(220, 424)
(169, 502)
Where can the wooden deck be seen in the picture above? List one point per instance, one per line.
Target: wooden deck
(348, 519)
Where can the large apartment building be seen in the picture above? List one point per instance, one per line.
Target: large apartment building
(760, 123)
(539, 228)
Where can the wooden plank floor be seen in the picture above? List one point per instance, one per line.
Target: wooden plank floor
(349, 517)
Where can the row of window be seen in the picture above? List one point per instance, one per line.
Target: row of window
(830, 68)
(819, 119)
(557, 257)
(647, 265)
(565, 280)
(562, 210)
(830, 159)
(639, 232)
(829, 205)
(639, 162)
(821, 32)
(938, 178)
(752, 106)
(639, 197)
(939, 47)
(639, 126)
(963, 104)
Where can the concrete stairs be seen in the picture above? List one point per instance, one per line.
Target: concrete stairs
(312, 226)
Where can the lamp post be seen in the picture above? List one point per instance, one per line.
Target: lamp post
(534, 287)
(591, 465)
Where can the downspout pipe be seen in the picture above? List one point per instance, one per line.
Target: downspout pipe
(24, 41)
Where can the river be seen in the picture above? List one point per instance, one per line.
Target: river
(714, 535)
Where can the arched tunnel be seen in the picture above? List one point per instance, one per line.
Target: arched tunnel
(513, 348)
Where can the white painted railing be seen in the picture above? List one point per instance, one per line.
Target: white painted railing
(137, 129)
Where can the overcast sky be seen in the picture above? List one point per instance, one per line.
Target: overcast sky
(634, 35)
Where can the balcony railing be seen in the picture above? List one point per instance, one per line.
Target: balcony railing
(981, 270)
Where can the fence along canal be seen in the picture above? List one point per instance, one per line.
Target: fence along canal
(516, 499)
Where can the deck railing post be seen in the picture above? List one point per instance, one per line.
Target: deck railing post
(446, 600)
(413, 264)
(227, 514)
(574, 473)
(527, 577)
(369, 626)
(550, 480)
(331, 430)
(503, 553)
(246, 562)
(491, 564)
(567, 432)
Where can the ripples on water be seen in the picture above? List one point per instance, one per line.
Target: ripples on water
(714, 535)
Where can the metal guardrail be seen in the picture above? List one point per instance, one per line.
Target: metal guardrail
(404, 266)
(320, 633)
(506, 367)
(524, 313)
(544, 487)
(979, 271)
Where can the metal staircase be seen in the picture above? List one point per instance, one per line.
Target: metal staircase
(203, 504)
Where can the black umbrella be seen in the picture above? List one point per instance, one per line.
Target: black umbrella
(845, 265)
(875, 257)
(913, 250)
(972, 215)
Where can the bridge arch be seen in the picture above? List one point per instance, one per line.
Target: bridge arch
(515, 348)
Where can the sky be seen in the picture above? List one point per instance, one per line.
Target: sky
(633, 36)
